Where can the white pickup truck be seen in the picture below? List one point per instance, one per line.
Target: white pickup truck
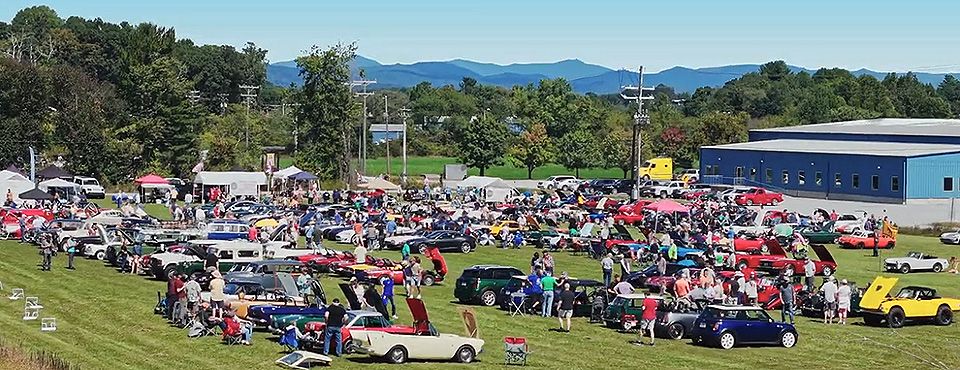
(672, 189)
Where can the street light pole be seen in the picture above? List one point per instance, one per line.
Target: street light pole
(404, 114)
(640, 119)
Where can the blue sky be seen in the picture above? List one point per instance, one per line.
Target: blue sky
(883, 35)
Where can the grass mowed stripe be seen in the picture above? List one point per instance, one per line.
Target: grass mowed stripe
(105, 320)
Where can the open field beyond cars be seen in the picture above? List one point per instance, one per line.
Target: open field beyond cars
(105, 321)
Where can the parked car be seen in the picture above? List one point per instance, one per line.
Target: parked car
(861, 239)
(689, 175)
(597, 186)
(849, 222)
(915, 261)
(671, 189)
(356, 320)
(759, 196)
(223, 229)
(811, 305)
(480, 283)
(825, 265)
(90, 187)
(729, 326)
(730, 195)
(560, 182)
(431, 345)
(228, 253)
(912, 303)
(445, 241)
(950, 237)
(819, 235)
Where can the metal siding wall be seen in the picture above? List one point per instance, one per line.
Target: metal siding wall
(828, 164)
(925, 175)
(771, 135)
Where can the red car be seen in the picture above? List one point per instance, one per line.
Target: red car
(601, 202)
(752, 260)
(759, 196)
(862, 239)
(323, 261)
(752, 245)
(9, 218)
(825, 265)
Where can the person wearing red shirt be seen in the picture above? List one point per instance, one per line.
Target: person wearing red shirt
(181, 295)
(648, 319)
(253, 234)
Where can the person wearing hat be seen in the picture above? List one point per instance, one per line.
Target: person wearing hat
(843, 301)
(216, 293)
(829, 289)
(750, 290)
(606, 265)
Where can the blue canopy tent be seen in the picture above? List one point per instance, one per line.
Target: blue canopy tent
(303, 176)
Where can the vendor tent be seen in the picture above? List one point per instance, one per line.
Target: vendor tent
(303, 176)
(493, 189)
(286, 172)
(375, 183)
(240, 183)
(666, 206)
(35, 194)
(53, 172)
(14, 182)
(57, 183)
(152, 180)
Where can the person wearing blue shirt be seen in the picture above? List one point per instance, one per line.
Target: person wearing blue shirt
(391, 227)
(517, 239)
(387, 294)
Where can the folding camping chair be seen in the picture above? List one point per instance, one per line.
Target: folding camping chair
(31, 313)
(48, 324)
(516, 351)
(518, 302)
(32, 303)
(15, 294)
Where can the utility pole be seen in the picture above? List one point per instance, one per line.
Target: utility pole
(362, 155)
(404, 114)
(640, 119)
(386, 121)
(248, 95)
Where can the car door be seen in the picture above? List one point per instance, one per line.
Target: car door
(753, 326)
(446, 241)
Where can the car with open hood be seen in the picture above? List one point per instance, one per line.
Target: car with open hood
(912, 303)
(356, 320)
(825, 265)
(429, 344)
(915, 261)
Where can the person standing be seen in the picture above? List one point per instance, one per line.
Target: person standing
(405, 251)
(606, 265)
(192, 290)
(71, 252)
(548, 262)
(829, 289)
(360, 254)
(46, 249)
(787, 296)
(181, 295)
(387, 296)
(216, 292)
(566, 307)
(843, 301)
(750, 290)
(417, 273)
(335, 317)
(809, 271)
(648, 319)
(549, 284)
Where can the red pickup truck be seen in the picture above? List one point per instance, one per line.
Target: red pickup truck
(759, 196)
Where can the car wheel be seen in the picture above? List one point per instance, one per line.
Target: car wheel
(423, 249)
(428, 280)
(742, 265)
(827, 271)
(676, 331)
(484, 239)
(727, 340)
(860, 245)
(891, 245)
(646, 177)
(944, 315)
(663, 194)
(774, 202)
(749, 202)
(169, 271)
(627, 325)
(349, 347)
(465, 355)
(99, 255)
(788, 339)
(465, 248)
(397, 355)
(896, 317)
(937, 267)
(488, 298)
(905, 268)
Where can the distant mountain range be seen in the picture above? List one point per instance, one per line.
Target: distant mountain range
(583, 77)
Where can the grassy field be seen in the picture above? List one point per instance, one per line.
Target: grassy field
(434, 165)
(106, 321)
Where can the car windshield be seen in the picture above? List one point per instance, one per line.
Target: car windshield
(914, 255)
(291, 359)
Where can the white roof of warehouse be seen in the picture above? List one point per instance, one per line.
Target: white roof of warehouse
(874, 148)
(881, 126)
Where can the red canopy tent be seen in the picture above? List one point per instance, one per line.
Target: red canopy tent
(151, 179)
(667, 206)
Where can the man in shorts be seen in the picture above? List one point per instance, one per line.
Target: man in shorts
(829, 289)
(566, 307)
(648, 319)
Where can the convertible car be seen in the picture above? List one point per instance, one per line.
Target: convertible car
(912, 303)
(863, 240)
(915, 261)
(431, 345)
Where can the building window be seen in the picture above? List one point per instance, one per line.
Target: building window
(818, 178)
(855, 181)
(786, 177)
(875, 182)
(753, 174)
(836, 180)
(947, 184)
(801, 178)
(768, 176)
(894, 183)
(739, 171)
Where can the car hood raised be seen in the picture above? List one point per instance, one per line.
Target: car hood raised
(877, 292)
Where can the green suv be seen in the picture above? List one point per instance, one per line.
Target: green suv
(481, 283)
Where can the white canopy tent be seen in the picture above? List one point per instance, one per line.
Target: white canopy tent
(374, 183)
(286, 172)
(14, 182)
(239, 183)
(65, 188)
(494, 189)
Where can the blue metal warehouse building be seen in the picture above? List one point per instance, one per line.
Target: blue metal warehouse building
(883, 160)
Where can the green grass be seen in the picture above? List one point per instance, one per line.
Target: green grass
(106, 321)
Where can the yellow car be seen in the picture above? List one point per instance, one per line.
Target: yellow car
(509, 225)
(912, 303)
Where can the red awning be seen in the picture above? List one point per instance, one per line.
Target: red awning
(151, 179)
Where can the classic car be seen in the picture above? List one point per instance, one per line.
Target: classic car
(228, 254)
(912, 303)
(849, 222)
(430, 345)
(811, 305)
(446, 241)
(759, 196)
(622, 312)
(164, 264)
(861, 239)
(480, 283)
(952, 237)
(584, 291)
(639, 278)
(313, 338)
(819, 235)
(729, 326)
(265, 267)
(915, 261)
(753, 259)
(226, 230)
(303, 360)
(262, 316)
(825, 264)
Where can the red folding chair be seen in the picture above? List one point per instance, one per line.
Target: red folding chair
(516, 350)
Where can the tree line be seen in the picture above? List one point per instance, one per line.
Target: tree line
(120, 100)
